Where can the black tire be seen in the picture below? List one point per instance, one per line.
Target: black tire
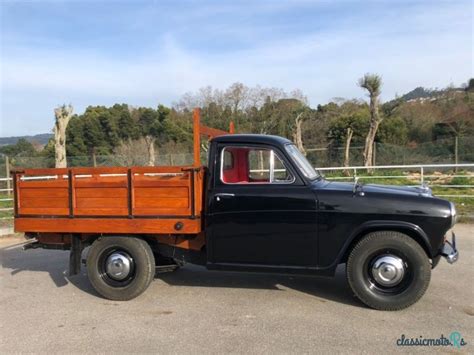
(371, 288)
(139, 273)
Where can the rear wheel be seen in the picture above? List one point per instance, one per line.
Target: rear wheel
(120, 268)
(388, 270)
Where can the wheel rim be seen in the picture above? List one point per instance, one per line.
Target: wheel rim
(116, 267)
(388, 272)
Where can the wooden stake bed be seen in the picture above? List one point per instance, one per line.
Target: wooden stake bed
(136, 200)
(109, 200)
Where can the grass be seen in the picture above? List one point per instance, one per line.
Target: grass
(3, 214)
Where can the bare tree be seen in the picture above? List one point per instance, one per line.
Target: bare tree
(372, 83)
(347, 147)
(298, 133)
(132, 152)
(62, 114)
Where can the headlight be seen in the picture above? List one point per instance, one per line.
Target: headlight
(454, 215)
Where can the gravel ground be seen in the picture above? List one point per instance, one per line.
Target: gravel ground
(194, 310)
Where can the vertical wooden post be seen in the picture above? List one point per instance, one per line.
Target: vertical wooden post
(16, 200)
(231, 127)
(374, 153)
(456, 152)
(197, 137)
(7, 174)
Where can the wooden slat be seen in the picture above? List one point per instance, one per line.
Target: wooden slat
(44, 211)
(145, 211)
(101, 202)
(164, 202)
(101, 184)
(159, 169)
(160, 183)
(99, 170)
(43, 193)
(174, 192)
(102, 170)
(87, 211)
(43, 184)
(106, 225)
(84, 192)
(212, 132)
(60, 202)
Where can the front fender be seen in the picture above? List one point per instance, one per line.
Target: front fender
(413, 230)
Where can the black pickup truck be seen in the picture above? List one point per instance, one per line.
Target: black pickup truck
(258, 206)
(297, 221)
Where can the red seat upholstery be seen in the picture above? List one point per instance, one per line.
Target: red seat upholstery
(239, 172)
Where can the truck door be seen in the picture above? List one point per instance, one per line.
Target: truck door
(260, 211)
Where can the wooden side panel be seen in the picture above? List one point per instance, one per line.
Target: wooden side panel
(100, 196)
(109, 200)
(43, 197)
(161, 195)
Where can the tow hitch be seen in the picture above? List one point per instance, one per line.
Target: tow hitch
(449, 251)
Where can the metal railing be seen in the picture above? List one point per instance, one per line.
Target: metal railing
(423, 178)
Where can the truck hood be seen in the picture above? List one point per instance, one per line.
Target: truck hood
(383, 189)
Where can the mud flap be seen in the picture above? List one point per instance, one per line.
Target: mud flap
(75, 255)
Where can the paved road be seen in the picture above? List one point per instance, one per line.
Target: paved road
(197, 311)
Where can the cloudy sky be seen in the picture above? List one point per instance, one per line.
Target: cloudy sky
(150, 52)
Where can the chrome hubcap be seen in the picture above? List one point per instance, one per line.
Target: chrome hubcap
(388, 270)
(118, 266)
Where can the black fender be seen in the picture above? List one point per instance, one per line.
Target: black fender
(413, 230)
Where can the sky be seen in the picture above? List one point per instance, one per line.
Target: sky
(148, 52)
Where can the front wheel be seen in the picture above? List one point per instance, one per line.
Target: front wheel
(388, 270)
(120, 268)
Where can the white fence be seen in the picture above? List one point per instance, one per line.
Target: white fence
(424, 171)
(8, 192)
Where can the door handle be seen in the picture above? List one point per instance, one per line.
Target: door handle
(223, 195)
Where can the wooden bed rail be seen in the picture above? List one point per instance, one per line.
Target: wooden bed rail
(199, 129)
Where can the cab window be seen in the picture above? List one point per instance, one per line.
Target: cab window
(251, 165)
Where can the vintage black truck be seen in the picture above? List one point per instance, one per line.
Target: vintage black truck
(257, 206)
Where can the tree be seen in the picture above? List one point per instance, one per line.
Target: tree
(152, 126)
(372, 83)
(22, 148)
(62, 114)
(470, 85)
(348, 125)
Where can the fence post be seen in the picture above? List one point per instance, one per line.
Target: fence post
(422, 175)
(355, 174)
(456, 157)
(374, 153)
(7, 171)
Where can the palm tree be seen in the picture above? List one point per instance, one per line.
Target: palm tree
(372, 83)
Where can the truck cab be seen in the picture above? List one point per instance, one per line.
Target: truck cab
(260, 208)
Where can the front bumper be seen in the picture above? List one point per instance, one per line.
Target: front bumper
(449, 251)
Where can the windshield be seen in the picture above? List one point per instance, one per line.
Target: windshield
(301, 161)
